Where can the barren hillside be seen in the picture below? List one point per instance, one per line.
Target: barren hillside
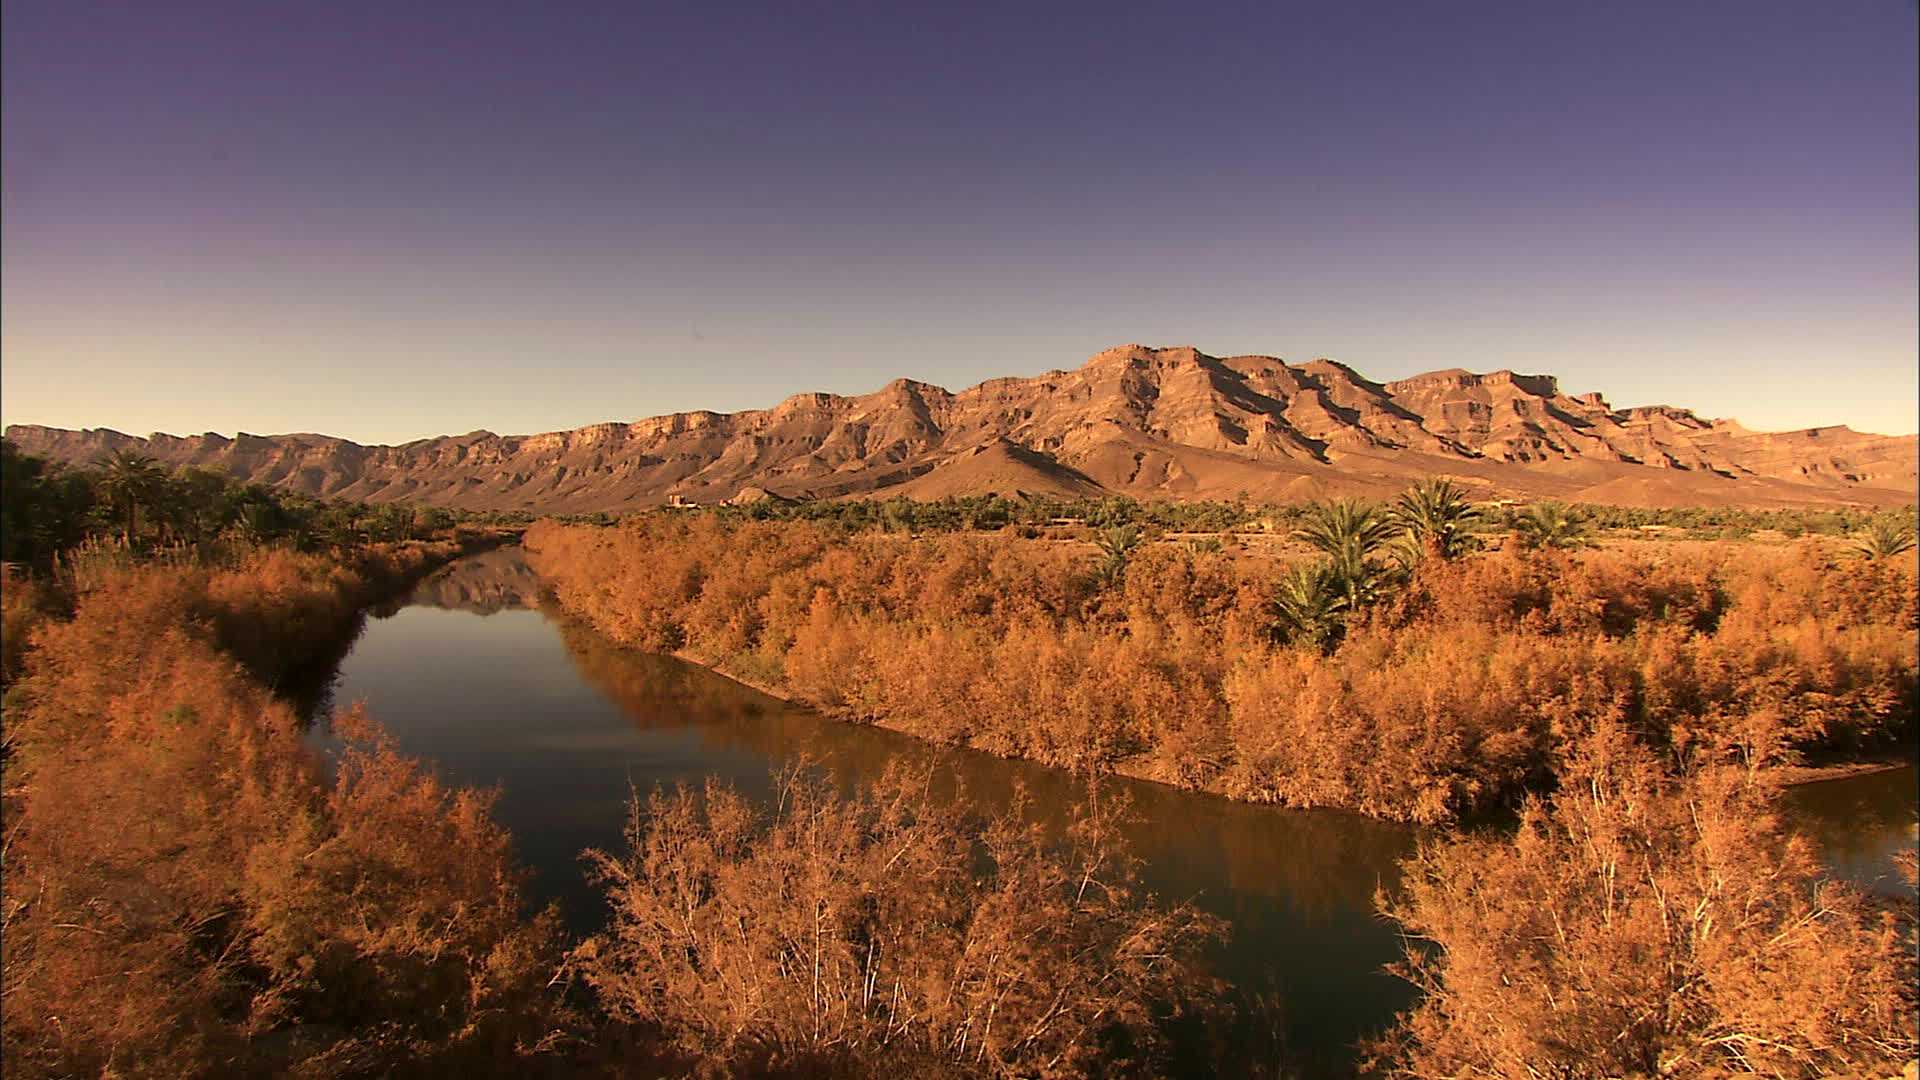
(1171, 423)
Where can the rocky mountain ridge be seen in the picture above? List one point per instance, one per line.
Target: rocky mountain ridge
(1151, 423)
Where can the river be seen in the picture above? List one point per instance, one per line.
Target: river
(472, 673)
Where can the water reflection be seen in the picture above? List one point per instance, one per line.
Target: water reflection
(1318, 864)
(483, 584)
(1860, 822)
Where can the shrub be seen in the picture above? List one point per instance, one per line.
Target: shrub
(1644, 925)
(183, 892)
(842, 930)
(1454, 691)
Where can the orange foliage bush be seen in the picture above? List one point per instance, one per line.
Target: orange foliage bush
(1460, 693)
(395, 910)
(181, 882)
(839, 933)
(1643, 926)
(22, 607)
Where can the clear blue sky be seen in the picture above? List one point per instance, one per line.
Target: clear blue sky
(392, 220)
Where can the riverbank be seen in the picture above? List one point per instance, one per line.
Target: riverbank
(1141, 772)
(1798, 775)
(613, 719)
(1780, 776)
(279, 611)
(283, 614)
(184, 878)
(1453, 699)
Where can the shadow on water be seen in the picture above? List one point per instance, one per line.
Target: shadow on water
(473, 674)
(1859, 823)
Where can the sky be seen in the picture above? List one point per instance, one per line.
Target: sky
(390, 221)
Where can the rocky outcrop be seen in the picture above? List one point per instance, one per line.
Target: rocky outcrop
(1173, 423)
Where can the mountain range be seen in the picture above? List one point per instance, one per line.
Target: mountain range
(1146, 422)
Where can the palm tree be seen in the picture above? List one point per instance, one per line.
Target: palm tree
(1884, 538)
(1116, 546)
(1310, 606)
(1347, 531)
(1435, 514)
(1552, 525)
(1350, 533)
(130, 480)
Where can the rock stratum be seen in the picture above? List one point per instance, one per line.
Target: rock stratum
(1151, 423)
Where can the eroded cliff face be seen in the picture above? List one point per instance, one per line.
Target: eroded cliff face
(1173, 423)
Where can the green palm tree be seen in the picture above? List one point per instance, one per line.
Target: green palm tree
(1435, 515)
(1884, 538)
(131, 480)
(1552, 525)
(1350, 534)
(1345, 530)
(1116, 546)
(1310, 606)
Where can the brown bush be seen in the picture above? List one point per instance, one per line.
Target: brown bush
(840, 932)
(395, 911)
(181, 884)
(22, 607)
(1458, 694)
(1641, 925)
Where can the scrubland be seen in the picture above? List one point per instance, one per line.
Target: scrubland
(183, 880)
(1649, 916)
(189, 890)
(1451, 694)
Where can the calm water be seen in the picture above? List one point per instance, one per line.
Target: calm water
(467, 672)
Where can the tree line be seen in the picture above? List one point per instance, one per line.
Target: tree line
(132, 500)
(1395, 672)
(987, 513)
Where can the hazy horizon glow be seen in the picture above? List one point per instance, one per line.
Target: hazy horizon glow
(391, 222)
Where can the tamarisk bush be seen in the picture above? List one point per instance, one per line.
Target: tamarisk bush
(1457, 687)
(837, 932)
(1645, 925)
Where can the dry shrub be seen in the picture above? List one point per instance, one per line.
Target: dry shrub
(1640, 925)
(1458, 695)
(395, 911)
(180, 882)
(22, 607)
(837, 933)
(144, 768)
(1416, 724)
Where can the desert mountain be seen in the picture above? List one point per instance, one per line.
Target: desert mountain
(1152, 423)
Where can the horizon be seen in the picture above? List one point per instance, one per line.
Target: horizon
(391, 225)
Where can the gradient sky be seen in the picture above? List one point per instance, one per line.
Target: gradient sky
(393, 220)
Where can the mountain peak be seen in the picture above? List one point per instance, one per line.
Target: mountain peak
(1154, 422)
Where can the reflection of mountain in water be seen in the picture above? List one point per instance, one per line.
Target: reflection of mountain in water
(483, 584)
